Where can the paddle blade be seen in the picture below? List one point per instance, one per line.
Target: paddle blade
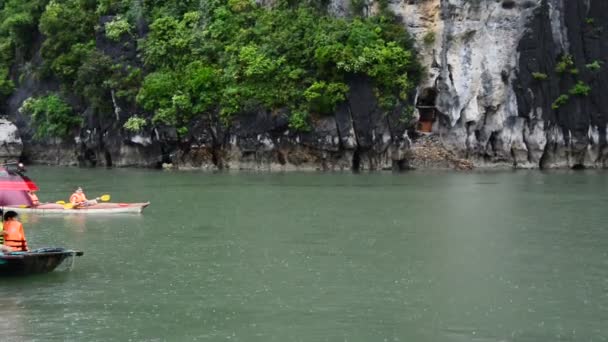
(104, 198)
(60, 202)
(68, 206)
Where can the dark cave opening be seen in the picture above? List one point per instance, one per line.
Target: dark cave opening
(427, 110)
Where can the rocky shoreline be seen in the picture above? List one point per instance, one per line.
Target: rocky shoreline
(264, 153)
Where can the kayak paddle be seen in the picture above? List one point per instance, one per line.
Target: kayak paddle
(103, 198)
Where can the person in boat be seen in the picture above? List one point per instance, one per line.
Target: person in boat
(79, 199)
(34, 198)
(14, 236)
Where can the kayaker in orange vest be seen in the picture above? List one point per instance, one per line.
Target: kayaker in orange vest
(79, 199)
(34, 198)
(14, 237)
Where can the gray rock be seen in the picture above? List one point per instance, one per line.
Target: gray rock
(11, 145)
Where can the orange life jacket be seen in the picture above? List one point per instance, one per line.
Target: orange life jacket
(15, 237)
(77, 198)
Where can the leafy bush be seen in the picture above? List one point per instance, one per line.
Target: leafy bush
(323, 97)
(429, 38)
(299, 121)
(91, 79)
(560, 101)
(51, 116)
(18, 27)
(539, 76)
(594, 66)
(19, 20)
(125, 80)
(580, 89)
(286, 57)
(176, 97)
(157, 90)
(135, 124)
(565, 63)
(6, 84)
(118, 27)
(65, 66)
(64, 24)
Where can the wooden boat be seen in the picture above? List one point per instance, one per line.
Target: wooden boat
(101, 208)
(42, 260)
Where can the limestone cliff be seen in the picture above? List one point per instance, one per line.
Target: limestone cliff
(514, 83)
(494, 83)
(11, 145)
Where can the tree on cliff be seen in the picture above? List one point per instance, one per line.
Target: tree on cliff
(198, 59)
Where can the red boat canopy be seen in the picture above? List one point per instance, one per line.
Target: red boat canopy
(17, 186)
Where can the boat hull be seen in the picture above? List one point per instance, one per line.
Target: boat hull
(35, 262)
(101, 208)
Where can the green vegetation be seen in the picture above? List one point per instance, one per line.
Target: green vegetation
(118, 27)
(429, 38)
(135, 124)
(560, 101)
(18, 27)
(357, 6)
(6, 84)
(539, 76)
(594, 66)
(208, 58)
(566, 63)
(69, 30)
(580, 89)
(51, 116)
(249, 57)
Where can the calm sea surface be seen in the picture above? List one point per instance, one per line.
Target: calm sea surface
(435, 256)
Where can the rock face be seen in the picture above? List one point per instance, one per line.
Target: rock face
(494, 80)
(10, 141)
(357, 137)
(495, 70)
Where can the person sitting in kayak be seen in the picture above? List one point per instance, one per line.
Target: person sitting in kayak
(79, 199)
(14, 237)
(34, 198)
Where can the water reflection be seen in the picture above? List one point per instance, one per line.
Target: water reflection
(28, 218)
(78, 223)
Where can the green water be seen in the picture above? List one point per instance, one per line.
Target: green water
(321, 257)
